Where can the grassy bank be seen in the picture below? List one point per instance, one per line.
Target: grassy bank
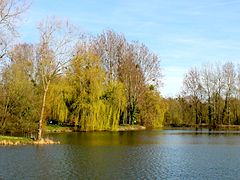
(12, 140)
(63, 129)
(58, 129)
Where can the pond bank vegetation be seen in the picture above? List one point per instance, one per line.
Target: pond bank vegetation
(66, 129)
(13, 141)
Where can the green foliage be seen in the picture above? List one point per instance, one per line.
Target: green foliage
(115, 102)
(107, 83)
(153, 110)
(88, 79)
(19, 103)
(97, 104)
(59, 93)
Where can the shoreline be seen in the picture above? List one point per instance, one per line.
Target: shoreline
(16, 141)
(65, 129)
(204, 126)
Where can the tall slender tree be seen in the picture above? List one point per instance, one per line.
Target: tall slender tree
(55, 49)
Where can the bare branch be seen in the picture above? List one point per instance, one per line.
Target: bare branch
(10, 14)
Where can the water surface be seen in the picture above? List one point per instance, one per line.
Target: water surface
(157, 154)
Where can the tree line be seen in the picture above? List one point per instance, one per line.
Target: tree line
(210, 96)
(100, 82)
(90, 82)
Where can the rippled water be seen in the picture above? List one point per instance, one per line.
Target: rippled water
(126, 155)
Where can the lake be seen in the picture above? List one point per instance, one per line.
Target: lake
(156, 154)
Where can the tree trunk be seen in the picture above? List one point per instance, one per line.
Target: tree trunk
(39, 137)
(196, 115)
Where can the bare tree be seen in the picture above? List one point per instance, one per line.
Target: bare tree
(149, 64)
(209, 86)
(25, 55)
(238, 82)
(10, 13)
(192, 89)
(237, 95)
(54, 52)
(229, 78)
(219, 87)
(111, 47)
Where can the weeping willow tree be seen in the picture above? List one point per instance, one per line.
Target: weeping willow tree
(60, 93)
(88, 81)
(96, 103)
(115, 104)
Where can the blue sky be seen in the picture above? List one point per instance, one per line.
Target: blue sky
(184, 33)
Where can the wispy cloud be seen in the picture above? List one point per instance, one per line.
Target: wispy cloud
(183, 33)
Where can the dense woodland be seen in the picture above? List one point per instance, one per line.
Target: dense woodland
(90, 82)
(210, 96)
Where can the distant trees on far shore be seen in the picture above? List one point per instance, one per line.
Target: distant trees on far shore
(210, 95)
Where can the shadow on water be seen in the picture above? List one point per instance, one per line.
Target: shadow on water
(101, 138)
